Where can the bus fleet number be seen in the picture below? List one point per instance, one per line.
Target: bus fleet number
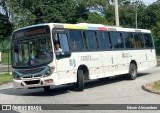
(86, 58)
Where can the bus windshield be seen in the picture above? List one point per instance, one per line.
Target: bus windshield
(32, 51)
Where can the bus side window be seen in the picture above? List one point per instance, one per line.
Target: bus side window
(116, 39)
(104, 41)
(141, 40)
(91, 40)
(148, 40)
(128, 39)
(135, 40)
(76, 40)
(138, 40)
(85, 42)
(121, 41)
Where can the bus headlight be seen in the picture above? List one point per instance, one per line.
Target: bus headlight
(16, 76)
(50, 71)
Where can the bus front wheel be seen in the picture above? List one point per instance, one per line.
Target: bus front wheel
(132, 71)
(80, 81)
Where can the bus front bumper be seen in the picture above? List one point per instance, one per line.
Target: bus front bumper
(35, 82)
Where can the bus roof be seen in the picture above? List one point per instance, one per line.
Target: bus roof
(36, 25)
(88, 26)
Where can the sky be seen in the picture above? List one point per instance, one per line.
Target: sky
(149, 1)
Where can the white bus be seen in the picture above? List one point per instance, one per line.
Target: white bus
(87, 51)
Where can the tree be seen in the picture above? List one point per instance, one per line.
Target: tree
(151, 15)
(95, 18)
(6, 27)
(109, 14)
(127, 11)
(27, 12)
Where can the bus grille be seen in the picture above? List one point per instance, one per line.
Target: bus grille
(31, 76)
(32, 82)
(31, 71)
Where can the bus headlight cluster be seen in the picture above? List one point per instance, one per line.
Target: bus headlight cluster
(16, 76)
(49, 72)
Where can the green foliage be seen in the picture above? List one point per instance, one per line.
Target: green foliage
(127, 13)
(156, 35)
(109, 15)
(157, 85)
(5, 44)
(5, 78)
(29, 12)
(5, 57)
(127, 16)
(4, 21)
(95, 18)
(151, 15)
(153, 22)
(6, 28)
(5, 31)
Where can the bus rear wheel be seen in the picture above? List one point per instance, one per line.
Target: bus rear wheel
(80, 80)
(47, 88)
(132, 72)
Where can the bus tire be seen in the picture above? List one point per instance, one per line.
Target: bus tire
(80, 81)
(47, 88)
(132, 75)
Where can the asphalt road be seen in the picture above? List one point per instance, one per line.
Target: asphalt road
(116, 90)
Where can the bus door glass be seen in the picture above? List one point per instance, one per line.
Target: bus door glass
(64, 66)
(61, 44)
(64, 42)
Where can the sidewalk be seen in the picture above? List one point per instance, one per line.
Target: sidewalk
(4, 68)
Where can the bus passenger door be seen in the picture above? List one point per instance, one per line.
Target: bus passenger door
(64, 69)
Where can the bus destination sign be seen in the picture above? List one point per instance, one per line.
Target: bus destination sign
(28, 32)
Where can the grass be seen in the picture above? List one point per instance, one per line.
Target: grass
(5, 78)
(5, 58)
(157, 85)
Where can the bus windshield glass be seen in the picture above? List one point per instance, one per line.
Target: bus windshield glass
(33, 50)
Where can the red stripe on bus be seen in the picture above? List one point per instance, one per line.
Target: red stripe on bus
(102, 28)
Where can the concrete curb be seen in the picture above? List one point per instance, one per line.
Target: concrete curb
(148, 87)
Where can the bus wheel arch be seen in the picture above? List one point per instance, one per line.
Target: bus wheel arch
(133, 68)
(85, 70)
(82, 75)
